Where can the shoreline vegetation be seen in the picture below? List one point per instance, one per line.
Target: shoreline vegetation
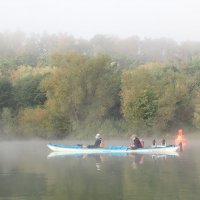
(57, 86)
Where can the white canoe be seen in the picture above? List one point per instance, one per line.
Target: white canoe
(171, 149)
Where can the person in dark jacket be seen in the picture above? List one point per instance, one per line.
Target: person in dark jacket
(135, 142)
(163, 142)
(97, 142)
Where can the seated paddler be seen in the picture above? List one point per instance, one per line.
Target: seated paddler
(136, 143)
(98, 142)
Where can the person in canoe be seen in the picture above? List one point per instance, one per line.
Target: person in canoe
(136, 143)
(98, 142)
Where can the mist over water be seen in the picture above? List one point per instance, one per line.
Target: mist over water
(26, 172)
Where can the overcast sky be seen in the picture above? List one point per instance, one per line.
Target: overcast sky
(177, 19)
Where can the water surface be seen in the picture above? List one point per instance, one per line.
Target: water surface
(27, 173)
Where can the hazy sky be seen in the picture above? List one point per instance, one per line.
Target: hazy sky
(177, 19)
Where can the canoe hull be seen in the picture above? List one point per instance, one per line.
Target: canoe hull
(113, 149)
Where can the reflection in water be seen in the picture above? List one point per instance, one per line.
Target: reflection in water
(162, 157)
(26, 174)
(99, 160)
(138, 159)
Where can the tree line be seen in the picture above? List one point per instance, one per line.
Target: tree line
(58, 86)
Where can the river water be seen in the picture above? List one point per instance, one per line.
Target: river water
(29, 172)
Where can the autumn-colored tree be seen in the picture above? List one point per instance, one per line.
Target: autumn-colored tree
(83, 88)
(34, 122)
(139, 98)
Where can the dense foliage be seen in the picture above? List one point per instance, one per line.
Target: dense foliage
(56, 85)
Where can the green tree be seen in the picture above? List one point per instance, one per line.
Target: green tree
(7, 122)
(6, 97)
(139, 97)
(27, 92)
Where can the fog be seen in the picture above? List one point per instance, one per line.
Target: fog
(176, 19)
(12, 151)
(27, 172)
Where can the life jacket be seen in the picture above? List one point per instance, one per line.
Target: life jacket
(102, 144)
(142, 142)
